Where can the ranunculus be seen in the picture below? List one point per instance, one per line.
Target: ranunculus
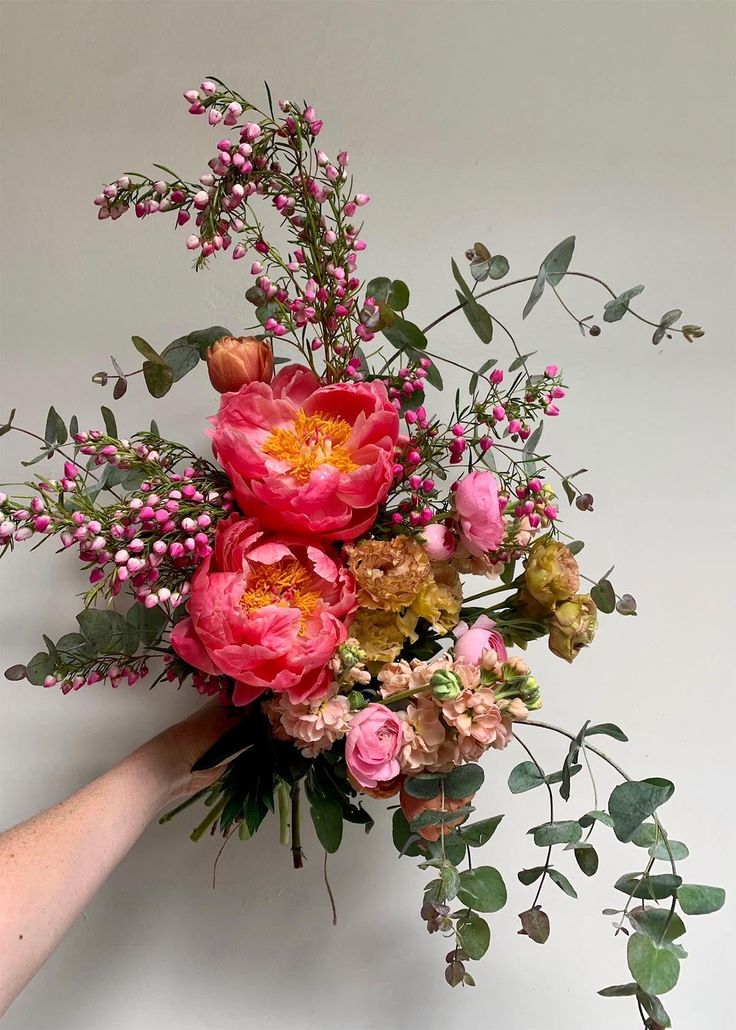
(482, 526)
(308, 458)
(268, 612)
(234, 361)
(552, 573)
(372, 744)
(572, 626)
(440, 542)
(471, 642)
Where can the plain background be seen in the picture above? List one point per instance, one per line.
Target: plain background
(513, 123)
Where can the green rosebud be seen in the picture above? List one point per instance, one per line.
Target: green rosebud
(572, 626)
(357, 701)
(445, 685)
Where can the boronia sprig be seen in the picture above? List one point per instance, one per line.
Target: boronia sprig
(311, 577)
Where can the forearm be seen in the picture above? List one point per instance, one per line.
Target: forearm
(52, 865)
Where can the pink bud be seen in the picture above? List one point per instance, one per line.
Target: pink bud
(551, 371)
(193, 242)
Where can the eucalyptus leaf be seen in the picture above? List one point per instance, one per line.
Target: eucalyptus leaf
(475, 935)
(39, 667)
(159, 378)
(696, 899)
(148, 352)
(524, 776)
(181, 356)
(482, 889)
(655, 969)
(327, 819)
(463, 781)
(632, 802)
(535, 924)
(111, 426)
(562, 882)
(617, 308)
(404, 335)
(202, 339)
(479, 833)
(564, 831)
(604, 596)
(648, 888)
(587, 860)
(659, 924)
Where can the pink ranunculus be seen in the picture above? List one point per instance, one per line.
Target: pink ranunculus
(372, 744)
(267, 611)
(471, 642)
(440, 543)
(481, 522)
(308, 458)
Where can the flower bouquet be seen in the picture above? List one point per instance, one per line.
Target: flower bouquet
(311, 576)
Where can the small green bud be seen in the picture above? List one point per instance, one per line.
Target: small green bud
(692, 332)
(357, 701)
(350, 655)
(445, 685)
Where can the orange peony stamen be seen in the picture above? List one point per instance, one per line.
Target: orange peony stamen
(284, 584)
(311, 441)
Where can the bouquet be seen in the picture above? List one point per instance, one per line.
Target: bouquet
(311, 575)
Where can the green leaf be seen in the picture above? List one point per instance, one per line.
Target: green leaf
(463, 781)
(475, 935)
(590, 817)
(181, 357)
(562, 882)
(537, 291)
(479, 833)
(498, 267)
(698, 900)
(667, 319)
(633, 802)
(434, 377)
(482, 889)
(39, 667)
(404, 335)
(55, 432)
(535, 924)
(619, 991)
(518, 362)
(422, 787)
(529, 876)
(96, 628)
(524, 776)
(202, 339)
(564, 831)
(479, 318)
(659, 924)
(159, 378)
(432, 817)
(111, 426)
(327, 819)
(655, 969)
(450, 878)
(398, 296)
(148, 623)
(558, 261)
(617, 308)
(609, 729)
(654, 1008)
(378, 289)
(604, 596)
(575, 546)
(677, 850)
(649, 888)
(587, 859)
(145, 348)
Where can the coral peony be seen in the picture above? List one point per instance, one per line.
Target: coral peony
(482, 526)
(373, 742)
(267, 612)
(306, 457)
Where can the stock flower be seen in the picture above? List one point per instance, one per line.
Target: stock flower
(423, 733)
(472, 641)
(308, 458)
(372, 744)
(572, 626)
(313, 725)
(552, 573)
(233, 362)
(267, 612)
(482, 525)
(389, 573)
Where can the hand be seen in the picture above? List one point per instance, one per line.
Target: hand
(175, 751)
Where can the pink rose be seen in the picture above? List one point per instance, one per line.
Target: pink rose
(471, 642)
(372, 744)
(268, 612)
(439, 542)
(308, 458)
(482, 526)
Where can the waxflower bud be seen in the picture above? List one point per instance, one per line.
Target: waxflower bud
(233, 362)
(552, 573)
(572, 626)
(445, 685)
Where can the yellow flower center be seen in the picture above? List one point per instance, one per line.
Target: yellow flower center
(311, 441)
(284, 584)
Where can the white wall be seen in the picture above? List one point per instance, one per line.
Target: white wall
(513, 123)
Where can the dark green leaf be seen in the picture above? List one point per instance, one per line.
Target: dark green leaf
(519, 362)
(402, 834)
(604, 596)
(697, 900)
(564, 831)
(558, 261)
(478, 317)
(655, 969)
(181, 357)
(55, 432)
(659, 924)
(535, 924)
(39, 667)
(479, 833)
(433, 377)
(529, 876)
(475, 935)
(96, 627)
(463, 781)
(145, 348)
(619, 991)
(524, 776)
(608, 729)
(575, 546)
(654, 1008)
(617, 308)
(148, 623)
(202, 339)
(327, 819)
(111, 426)
(562, 882)
(378, 289)
(404, 335)
(633, 802)
(431, 817)
(587, 859)
(498, 266)
(648, 888)
(398, 296)
(159, 378)
(422, 787)
(590, 817)
(482, 889)
(537, 291)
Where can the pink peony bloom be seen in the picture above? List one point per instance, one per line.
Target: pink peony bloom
(482, 525)
(308, 458)
(373, 742)
(483, 636)
(267, 612)
(440, 543)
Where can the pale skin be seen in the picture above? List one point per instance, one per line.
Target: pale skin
(54, 863)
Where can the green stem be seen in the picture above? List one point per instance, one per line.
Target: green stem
(209, 820)
(282, 797)
(185, 804)
(296, 839)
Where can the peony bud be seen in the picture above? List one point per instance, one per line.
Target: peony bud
(572, 626)
(552, 573)
(233, 362)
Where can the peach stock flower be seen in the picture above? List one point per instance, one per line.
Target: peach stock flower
(313, 725)
(308, 458)
(268, 612)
